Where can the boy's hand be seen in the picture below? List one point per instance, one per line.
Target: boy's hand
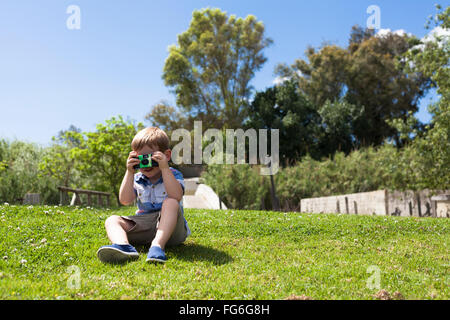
(161, 158)
(132, 161)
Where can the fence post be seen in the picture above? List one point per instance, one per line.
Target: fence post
(61, 197)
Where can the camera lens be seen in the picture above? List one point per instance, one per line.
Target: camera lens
(144, 162)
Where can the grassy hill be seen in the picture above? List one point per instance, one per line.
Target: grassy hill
(50, 253)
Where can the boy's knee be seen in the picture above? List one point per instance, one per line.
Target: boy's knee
(112, 220)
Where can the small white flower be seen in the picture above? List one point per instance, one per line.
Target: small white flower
(6, 204)
(23, 261)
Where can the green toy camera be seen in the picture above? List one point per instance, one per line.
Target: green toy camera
(145, 161)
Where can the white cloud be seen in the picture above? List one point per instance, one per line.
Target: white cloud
(433, 35)
(438, 34)
(385, 32)
(279, 80)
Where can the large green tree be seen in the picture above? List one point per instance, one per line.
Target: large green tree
(432, 58)
(212, 64)
(282, 107)
(19, 168)
(101, 155)
(58, 161)
(323, 77)
(369, 74)
(304, 128)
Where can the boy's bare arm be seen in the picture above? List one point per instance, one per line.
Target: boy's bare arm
(126, 193)
(172, 186)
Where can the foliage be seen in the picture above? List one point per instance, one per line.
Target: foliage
(167, 118)
(58, 161)
(338, 120)
(432, 58)
(19, 162)
(238, 186)
(324, 77)
(304, 128)
(282, 107)
(102, 154)
(363, 170)
(212, 64)
(368, 74)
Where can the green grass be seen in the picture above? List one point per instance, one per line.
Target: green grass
(230, 255)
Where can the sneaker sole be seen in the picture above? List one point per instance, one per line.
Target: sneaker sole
(155, 260)
(113, 255)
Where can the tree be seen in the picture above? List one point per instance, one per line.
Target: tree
(432, 59)
(168, 118)
(212, 64)
(19, 173)
(369, 74)
(338, 120)
(282, 107)
(324, 77)
(379, 82)
(58, 161)
(102, 154)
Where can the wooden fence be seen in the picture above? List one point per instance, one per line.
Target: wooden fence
(76, 198)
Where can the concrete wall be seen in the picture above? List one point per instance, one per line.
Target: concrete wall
(366, 203)
(412, 204)
(441, 206)
(381, 202)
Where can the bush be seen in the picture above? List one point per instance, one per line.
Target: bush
(362, 170)
(238, 186)
(19, 173)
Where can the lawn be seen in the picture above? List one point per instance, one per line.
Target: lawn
(49, 252)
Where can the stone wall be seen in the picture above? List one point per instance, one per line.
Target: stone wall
(381, 202)
(412, 204)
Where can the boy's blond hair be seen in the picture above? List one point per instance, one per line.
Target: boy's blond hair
(152, 137)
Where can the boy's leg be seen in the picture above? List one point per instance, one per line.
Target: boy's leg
(167, 222)
(117, 228)
(120, 250)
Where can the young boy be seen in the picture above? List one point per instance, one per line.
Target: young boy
(159, 220)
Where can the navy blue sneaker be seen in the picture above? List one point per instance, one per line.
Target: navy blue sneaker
(156, 254)
(117, 253)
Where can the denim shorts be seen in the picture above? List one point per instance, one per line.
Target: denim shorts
(145, 226)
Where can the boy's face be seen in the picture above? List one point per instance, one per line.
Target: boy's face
(152, 172)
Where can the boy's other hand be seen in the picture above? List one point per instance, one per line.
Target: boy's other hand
(132, 161)
(161, 158)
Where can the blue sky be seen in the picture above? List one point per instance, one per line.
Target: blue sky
(52, 77)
